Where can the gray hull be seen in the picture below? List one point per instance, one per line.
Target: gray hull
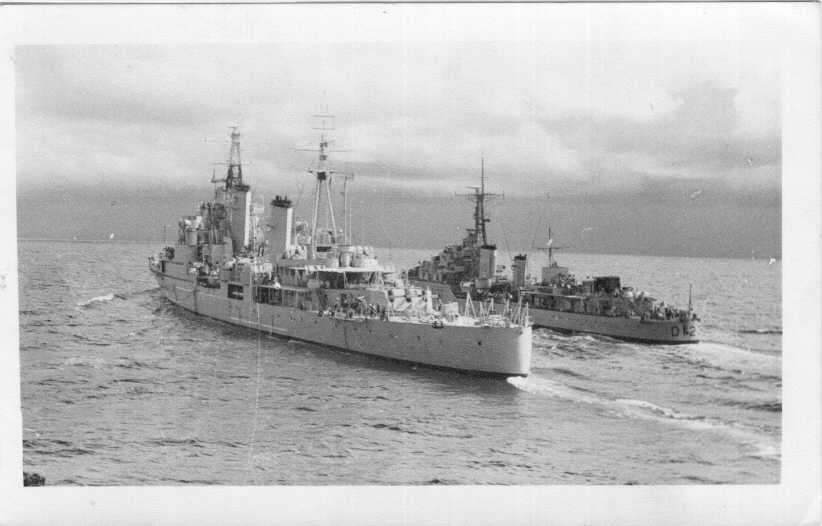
(504, 351)
(649, 331)
(632, 329)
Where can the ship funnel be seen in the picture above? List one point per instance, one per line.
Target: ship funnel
(278, 227)
(487, 264)
(518, 271)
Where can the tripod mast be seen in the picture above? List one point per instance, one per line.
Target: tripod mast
(323, 174)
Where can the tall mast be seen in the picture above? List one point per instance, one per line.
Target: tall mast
(479, 198)
(234, 174)
(235, 195)
(550, 247)
(323, 174)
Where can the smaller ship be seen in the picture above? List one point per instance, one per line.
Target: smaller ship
(266, 271)
(600, 305)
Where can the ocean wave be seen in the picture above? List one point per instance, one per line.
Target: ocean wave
(96, 299)
(732, 358)
(646, 410)
(700, 480)
(761, 446)
(56, 381)
(760, 331)
(760, 405)
(766, 451)
(69, 452)
(137, 293)
(551, 336)
(538, 385)
(657, 410)
(33, 443)
(137, 364)
(88, 341)
(131, 380)
(198, 482)
(79, 361)
(58, 448)
(116, 295)
(568, 372)
(394, 428)
(175, 442)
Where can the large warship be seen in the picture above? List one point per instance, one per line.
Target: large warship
(599, 305)
(265, 270)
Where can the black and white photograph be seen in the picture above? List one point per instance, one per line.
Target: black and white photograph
(412, 263)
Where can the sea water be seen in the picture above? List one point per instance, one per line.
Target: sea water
(120, 387)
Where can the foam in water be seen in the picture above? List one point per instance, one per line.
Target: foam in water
(763, 447)
(653, 408)
(538, 385)
(767, 451)
(96, 299)
(729, 357)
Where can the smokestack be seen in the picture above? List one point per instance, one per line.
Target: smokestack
(487, 261)
(518, 271)
(279, 224)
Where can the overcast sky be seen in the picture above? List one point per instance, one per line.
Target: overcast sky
(544, 114)
(592, 114)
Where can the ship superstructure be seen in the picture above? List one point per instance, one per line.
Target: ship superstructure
(306, 281)
(599, 305)
(469, 269)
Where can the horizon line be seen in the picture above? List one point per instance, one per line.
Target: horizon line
(432, 250)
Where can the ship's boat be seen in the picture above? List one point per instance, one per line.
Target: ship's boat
(267, 271)
(600, 305)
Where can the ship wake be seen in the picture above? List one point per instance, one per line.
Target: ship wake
(732, 358)
(757, 444)
(105, 298)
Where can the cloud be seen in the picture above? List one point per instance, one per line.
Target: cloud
(106, 85)
(570, 117)
(701, 139)
(678, 117)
